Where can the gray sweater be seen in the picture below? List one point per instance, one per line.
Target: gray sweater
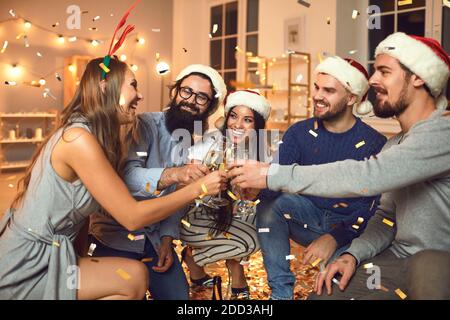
(413, 174)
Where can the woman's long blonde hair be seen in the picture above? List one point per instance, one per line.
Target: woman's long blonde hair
(96, 107)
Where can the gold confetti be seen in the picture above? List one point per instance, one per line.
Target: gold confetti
(204, 189)
(11, 185)
(314, 134)
(360, 220)
(123, 274)
(404, 2)
(316, 262)
(255, 203)
(388, 222)
(131, 237)
(156, 192)
(187, 224)
(355, 14)
(343, 205)
(360, 144)
(148, 295)
(401, 294)
(208, 237)
(227, 235)
(147, 260)
(316, 125)
(287, 216)
(356, 227)
(147, 187)
(232, 196)
(56, 244)
(105, 68)
(368, 265)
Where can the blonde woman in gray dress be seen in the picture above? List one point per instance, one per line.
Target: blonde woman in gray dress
(226, 233)
(74, 173)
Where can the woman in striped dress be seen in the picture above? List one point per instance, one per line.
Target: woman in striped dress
(228, 233)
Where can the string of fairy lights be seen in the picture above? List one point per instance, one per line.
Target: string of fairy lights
(62, 39)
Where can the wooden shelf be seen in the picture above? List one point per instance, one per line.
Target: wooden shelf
(14, 165)
(7, 141)
(28, 115)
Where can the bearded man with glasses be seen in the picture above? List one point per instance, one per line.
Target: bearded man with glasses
(156, 166)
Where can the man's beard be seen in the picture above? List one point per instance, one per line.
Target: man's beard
(177, 118)
(388, 110)
(333, 113)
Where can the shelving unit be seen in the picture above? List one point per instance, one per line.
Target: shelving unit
(48, 121)
(286, 83)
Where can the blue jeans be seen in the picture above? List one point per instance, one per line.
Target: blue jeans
(275, 244)
(169, 285)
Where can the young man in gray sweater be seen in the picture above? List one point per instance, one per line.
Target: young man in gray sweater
(405, 250)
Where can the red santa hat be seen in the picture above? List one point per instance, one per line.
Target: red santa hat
(425, 57)
(250, 99)
(353, 76)
(219, 85)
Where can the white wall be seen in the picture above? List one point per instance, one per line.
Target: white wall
(320, 37)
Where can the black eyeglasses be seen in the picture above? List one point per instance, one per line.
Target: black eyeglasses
(200, 98)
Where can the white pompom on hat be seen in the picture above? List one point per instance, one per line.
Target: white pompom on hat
(424, 57)
(353, 76)
(250, 99)
(212, 74)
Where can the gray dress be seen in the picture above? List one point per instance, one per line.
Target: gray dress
(37, 257)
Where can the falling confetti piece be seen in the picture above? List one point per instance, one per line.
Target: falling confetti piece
(232, 196)
(105, 68)
(48, 93)
(290, 257)
(122, 100)
(316, 262)
(91, 249)
(287, 216)
(156, 30)
(360, 144)
(356, 227)
(5, 45)
(10, 83)
(147, 260)
(227, 235)
(352, 52)
(187, 224)
(139, 237)
(39, 54)
(404, 2)
(204, 189)
(215, 28)
(12, 13)
(304, 3)
(336, 281)
(210, 36)
(56, 244)
(55, 24)
(388, 222)
(328, 20)
(305, 226)
(147, 187)
(263, 230)
(131, 237)
(368, 265)
(141, 154)
(218, 95)
(314, 134)
(343, 205)
(360, 220)
(401, 294)
(355, 14)
(96, 18)
(123, 274)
